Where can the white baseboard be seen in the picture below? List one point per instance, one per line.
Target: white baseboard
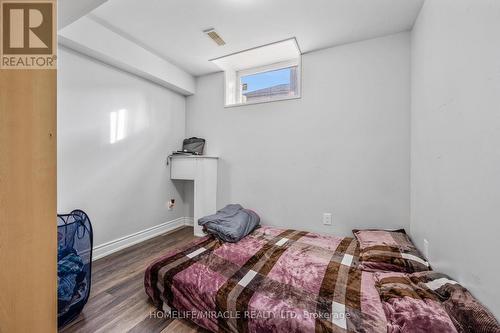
(113, 246)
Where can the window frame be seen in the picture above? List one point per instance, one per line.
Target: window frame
(262, 69)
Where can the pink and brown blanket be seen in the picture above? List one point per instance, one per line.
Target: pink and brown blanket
(277, 280)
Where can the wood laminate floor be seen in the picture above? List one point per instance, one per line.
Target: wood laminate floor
(118, 302)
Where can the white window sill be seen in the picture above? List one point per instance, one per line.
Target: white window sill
(262, 102)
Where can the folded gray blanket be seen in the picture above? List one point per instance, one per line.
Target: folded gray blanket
(231, 223)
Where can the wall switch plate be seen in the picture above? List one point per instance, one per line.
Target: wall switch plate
(327, 219)
(171, 204)
(426, 249)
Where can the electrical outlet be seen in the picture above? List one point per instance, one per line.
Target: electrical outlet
(327, 219)
(426, 249)
(171, 204)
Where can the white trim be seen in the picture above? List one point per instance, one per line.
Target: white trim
(121, 243)
(258, 47)
(189, 221)
(267, 68)
(287, 98)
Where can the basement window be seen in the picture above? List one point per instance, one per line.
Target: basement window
(263, 85)
(264, 74)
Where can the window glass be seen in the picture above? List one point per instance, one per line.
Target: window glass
(274, 84)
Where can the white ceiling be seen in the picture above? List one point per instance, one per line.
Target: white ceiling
(173, 28)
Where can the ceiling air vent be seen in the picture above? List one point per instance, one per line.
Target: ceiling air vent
(215, 36)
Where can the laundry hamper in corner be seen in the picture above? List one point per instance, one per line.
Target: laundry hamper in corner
(74, 264)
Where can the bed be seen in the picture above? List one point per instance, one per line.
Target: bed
(282, 280)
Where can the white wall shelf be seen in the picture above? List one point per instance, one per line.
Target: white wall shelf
(203, 171)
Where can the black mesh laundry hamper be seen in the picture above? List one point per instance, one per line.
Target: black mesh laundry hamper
(74, 264)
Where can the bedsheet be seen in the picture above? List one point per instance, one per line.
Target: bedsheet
(273, 280)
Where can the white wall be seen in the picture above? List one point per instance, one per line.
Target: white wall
(123, 186)
(343, 148)
(455, 141)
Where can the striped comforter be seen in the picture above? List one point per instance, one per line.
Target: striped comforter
(272, 280)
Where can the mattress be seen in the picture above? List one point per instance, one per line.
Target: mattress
(282, 280)
(278, 280)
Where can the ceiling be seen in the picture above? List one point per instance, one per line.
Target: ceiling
(173, 29)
